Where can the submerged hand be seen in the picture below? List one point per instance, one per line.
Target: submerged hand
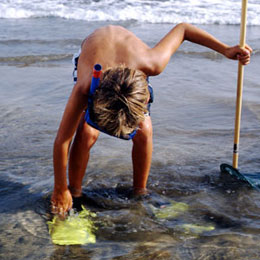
(238, 53)
(61, 202)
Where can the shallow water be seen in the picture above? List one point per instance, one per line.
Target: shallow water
(193, 118)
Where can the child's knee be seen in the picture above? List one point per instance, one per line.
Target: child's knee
(88, 135)
(145, 132)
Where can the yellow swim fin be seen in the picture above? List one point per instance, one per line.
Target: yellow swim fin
(76, 229)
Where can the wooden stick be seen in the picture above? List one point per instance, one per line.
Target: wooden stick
(239, 84)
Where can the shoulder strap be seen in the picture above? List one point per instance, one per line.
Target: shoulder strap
(95, 78)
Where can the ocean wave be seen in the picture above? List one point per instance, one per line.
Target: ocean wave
(32, 59)
(212, 55)
(15, 41)
(148, 11)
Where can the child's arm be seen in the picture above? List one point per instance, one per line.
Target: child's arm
(61, 197)
(163, 51)
(201, 37)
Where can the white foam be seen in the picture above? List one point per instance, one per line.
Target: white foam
(157, 11)
(12, 12)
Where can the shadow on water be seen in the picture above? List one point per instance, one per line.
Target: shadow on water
(16, 197)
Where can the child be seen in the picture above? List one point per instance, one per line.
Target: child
(119, 106)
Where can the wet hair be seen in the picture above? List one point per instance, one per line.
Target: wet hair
(120, 101)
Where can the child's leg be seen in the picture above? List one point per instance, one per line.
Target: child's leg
(142, 155)
(85, 138)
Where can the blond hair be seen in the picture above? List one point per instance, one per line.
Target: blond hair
(120, 101)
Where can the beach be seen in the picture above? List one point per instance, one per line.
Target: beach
(193, 126)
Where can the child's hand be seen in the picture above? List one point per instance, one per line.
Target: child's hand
(61, 202)
(238, 53)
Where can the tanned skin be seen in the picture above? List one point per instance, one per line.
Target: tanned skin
(112, 46)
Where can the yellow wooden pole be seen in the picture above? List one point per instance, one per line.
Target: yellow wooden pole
(239, 85)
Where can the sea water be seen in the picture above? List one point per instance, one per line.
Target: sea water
(193, 121)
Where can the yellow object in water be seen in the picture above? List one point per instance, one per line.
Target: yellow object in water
(172, 211)
(76, 229)
(197, 229)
